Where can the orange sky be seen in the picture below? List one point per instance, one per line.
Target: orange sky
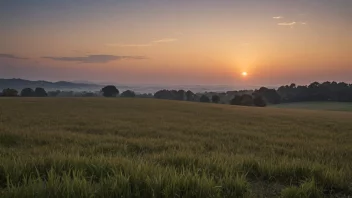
(183, 42)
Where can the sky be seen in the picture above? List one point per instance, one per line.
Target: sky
(207, 42)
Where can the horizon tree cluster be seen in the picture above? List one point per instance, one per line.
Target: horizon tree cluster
(327, 91)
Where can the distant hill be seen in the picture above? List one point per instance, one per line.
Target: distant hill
(19, 84)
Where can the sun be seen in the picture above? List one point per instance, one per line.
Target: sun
(244, 74)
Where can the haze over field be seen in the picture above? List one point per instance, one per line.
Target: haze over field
(177, 42)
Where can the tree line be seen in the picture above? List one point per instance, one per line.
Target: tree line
(327, 91)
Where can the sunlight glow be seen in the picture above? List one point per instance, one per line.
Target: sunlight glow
(244, 74)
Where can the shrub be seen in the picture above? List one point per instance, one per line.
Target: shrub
(259, 101)
(27, 92)
(246, 100)
(236, 100)
(9, 92)
(40, 92)
(204, 98)
(215, 99)
(128, 93)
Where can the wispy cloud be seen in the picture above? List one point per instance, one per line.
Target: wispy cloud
(287, 23)
(11, 56)
(101, 58)
(278, 17)
(128, 45)
(303, 23)
(165, 40)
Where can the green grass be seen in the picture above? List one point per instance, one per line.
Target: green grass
(99, 147)
(330, 106)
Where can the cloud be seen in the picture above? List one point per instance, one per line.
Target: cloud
(303, 23)
(278, 17)
(129, 45)
(287, 23)
(165, 40)
(96, 58)
(11, 56)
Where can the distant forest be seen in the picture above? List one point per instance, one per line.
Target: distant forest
(20, 84)
(327, 91)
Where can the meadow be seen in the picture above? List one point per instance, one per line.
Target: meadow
(115, 147)
(329, 106)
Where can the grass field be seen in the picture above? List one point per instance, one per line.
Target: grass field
(330, 106)
(98, 147)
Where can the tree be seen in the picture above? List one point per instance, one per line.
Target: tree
(215, 99)
(189, 95)
(204, 98)
(110, 91)
(27, 92)
(128, 94)
(271, 95)
(163, 94)
(40, 92)
(246, 100)
(54, 93)
(236, 100)
(259, 101)
(180, 95)
(9, 92)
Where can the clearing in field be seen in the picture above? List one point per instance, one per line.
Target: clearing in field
(98, 147)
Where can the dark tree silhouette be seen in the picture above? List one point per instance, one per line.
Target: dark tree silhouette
(9, 92)
(128, 94)
(110, 91)
(204, 98)
(270, 95)
(259, 101)
(236, 100)
(246, 100)
(163, 94)
(180, 95)
(54, 93)
(189, 95)
(27, 92)
(326, 91)
(40, 92)
(170, 94)
(215, 99)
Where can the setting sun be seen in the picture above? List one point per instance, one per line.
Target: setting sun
(244, 73)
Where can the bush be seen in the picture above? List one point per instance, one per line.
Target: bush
(190, 95)
(128, 93)
(9, 92)
(27, 92)
(204, 98)
(236, 100)
(246, 100)
(54, 93)
(40, 92)
(259, 101)
(215, 99)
